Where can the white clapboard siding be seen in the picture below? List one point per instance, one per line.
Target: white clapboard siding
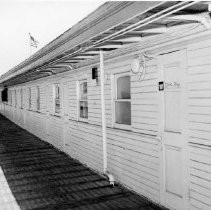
(199, 92)
(94, 100)
(200, 176)
(42, 98)
(55, 131)
(12, 113)
(194, 70)
(65, 99)
(33, 98)
(38, 128)
(72, 97)
(199, 123)
(20, 117)
(94, 116)
(25, 98)
(85, 143)
(18, 97)
(28, 123)
(133, 159)
(50, 102)
(145, 101)
(16, 115)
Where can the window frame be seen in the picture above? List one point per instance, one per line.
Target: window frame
(15, 94)
(114, 93)
(21, 96)
(38, 98)
(29, 98)
(83, 119)
(9, 98)
(56, 99)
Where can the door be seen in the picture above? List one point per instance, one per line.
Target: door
(172, 69)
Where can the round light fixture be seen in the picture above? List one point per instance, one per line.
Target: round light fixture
(135, 66)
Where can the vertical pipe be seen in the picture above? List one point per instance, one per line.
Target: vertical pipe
(102, 76)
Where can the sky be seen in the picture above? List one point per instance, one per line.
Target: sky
(44, 20)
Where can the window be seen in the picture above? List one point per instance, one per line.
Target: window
(57, 97)
(83, 102)
(9, 97)
(21, 92)
(122, 101)
(30, 102)
(15, 97)
(38, 98)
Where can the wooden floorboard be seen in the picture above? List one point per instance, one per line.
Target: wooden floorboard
(41, 177)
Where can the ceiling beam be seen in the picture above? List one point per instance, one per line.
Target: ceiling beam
(203, 18)
(157, 30)
(110, 44)
(92, 52)
(73, 60)
(135, 38)
(84, 56)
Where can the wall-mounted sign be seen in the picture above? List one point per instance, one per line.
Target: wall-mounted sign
(172, 84)
(161, 86)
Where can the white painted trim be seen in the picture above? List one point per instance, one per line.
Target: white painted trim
(185, 130)
(114, 94)
(77, 99)
(102, 78)
(29, 98)
(160, 129)
(60, 99)
(112, 99)
(54, 96)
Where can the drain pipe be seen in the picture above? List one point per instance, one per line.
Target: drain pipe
(105, 161)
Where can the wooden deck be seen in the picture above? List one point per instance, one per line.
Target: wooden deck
(41, 177)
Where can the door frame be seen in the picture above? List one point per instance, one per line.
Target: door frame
(161, 118)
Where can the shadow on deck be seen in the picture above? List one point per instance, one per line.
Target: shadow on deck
(41, 177)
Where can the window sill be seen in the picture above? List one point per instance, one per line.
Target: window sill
(82, 122)
(56, 115)
(122, 127)
(39, 112)
(85, 120)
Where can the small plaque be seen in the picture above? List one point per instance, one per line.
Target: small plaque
(161, 86)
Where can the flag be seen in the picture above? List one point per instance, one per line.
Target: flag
(33, 41)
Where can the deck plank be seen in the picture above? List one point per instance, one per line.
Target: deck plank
(42, 177)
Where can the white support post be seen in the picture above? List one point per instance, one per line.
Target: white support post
(102, 76)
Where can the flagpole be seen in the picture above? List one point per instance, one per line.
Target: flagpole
(32, 43)
(30, 47)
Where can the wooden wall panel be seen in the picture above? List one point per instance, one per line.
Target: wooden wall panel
(199, 123)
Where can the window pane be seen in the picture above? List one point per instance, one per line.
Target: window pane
(57, 90)
(29, 97)
(57, 106)
(83, 109)
(123, 112)
(83, 90)
(123, 87)
(38, 104)
(38, 98)
(21, 98)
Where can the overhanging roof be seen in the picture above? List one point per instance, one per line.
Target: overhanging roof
(113, 25)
